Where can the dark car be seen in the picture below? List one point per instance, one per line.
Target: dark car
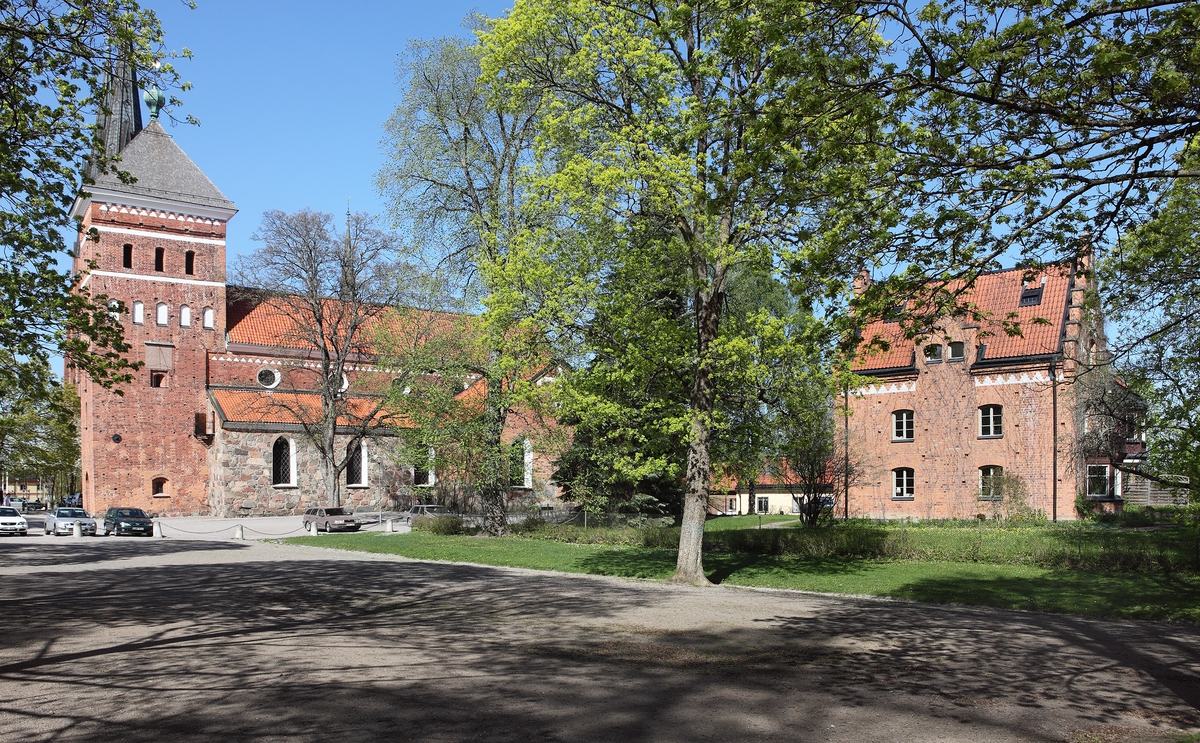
(118, 521)
(330, 519)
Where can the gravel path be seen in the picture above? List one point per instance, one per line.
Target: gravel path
(156, 640)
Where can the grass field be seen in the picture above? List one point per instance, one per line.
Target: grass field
(1169, 596)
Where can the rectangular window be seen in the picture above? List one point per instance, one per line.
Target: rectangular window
(933, 353)
(903, 483)
(159, 256)
(189, 263)
(991, 483)
(957, 351)
(1098, 481)
(990, 421)
(127, 256)
(764, 504)
(902, 425)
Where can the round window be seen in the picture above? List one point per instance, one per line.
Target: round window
(268, 377)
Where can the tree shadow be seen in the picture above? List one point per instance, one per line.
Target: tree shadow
(68, 551)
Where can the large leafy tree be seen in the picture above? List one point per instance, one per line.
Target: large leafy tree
(54, 81)
(455, 178)
(1151, 286)
(707, 136)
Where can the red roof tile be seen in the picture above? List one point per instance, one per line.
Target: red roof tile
(289, 408)
(996, 296)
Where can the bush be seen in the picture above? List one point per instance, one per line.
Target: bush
(445, 526)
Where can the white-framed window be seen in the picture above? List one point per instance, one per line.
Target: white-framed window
(161, 314)
(991, 424)
(268, 377)
(1099, 482)
(933, 353)
(904, 483)
(139, 313)
(425, 477)
(990, 482)
(764, 504)
(210, 318)
(356, 464)
(902, 425)
(185, 316)
(283, 463)
(958, 351)
(528, 464)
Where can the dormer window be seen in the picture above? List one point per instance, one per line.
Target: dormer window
(1031, 297)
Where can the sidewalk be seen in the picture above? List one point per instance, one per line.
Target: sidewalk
(253, 527)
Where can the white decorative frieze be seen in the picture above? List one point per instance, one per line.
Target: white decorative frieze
(887, 388)
(1026, 378)
(121, 209)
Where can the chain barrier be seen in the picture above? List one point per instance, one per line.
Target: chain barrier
(230, 528)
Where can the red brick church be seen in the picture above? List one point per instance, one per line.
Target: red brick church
(193, 433)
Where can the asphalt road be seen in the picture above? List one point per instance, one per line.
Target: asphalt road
(175, 640)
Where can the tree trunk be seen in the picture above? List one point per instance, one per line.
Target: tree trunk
(494, 484)
(689, 565)
(751, 496)
(331, 474)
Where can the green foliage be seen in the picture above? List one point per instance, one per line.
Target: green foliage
(444, 526)
(53, 67)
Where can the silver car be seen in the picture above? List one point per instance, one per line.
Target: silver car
(422, 510)
(62, 521)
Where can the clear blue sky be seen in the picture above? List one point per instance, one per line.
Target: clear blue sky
(292, 96)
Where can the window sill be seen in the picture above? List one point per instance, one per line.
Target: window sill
(933, 361)
(981, 438)
(991, 499)
(359, 486)
(160, 495)
(903, 497)
(958, 360)
(903, 441)
(285, 486)
(424, 485)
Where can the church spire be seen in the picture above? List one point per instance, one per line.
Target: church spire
(120, 118)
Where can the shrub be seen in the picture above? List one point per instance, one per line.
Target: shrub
(445, 526)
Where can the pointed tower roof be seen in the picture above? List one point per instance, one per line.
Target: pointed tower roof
(163, 171)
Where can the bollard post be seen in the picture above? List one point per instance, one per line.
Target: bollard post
(77, 530)
(158, 530)
(237, 532)
(312, 528)
(391, 527)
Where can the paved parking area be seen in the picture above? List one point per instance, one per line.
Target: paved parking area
(219, 640)
(202, 528)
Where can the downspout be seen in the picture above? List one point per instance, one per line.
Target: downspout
(846, 451)
(1054, 439)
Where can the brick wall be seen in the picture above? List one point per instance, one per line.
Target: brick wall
(155, 425)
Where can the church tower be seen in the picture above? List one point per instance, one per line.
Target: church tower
(161, 251)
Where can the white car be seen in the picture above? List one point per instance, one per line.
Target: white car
(12, 522)
(62, 521)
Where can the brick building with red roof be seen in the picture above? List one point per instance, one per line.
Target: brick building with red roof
(954, 411)
(212, 423)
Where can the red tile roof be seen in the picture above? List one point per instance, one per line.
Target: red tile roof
(259, 320)
(997, 297)
(289, 408)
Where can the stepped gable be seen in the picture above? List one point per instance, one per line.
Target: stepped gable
(996, 295)
(163, 171)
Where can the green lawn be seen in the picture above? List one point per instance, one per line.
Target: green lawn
(1143, 596)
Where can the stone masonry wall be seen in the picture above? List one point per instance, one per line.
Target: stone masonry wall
(240, 473)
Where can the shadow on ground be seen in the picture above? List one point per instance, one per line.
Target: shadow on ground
(68, 551)
(338, 649)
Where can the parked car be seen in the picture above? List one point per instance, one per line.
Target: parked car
(62, 521)
(32, 505)
(422, 510)
(118, 521)
(330, 519)
(17, 503)
(12, 522)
